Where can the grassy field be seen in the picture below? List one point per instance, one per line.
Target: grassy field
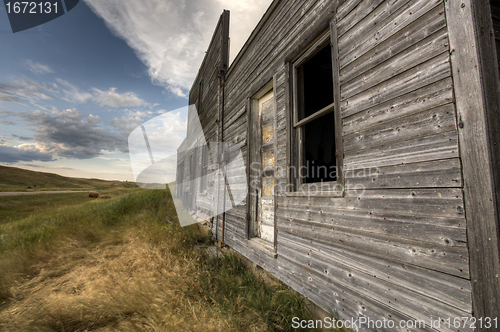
(17, 179)
(105, 265)
(18, 207)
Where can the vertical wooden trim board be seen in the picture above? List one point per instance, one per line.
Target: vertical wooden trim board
(275, 194)
(480, 193)
(248, 105)
(488, 64)
(251, 156)
(224, 62)
(288, 126)
(339, 151)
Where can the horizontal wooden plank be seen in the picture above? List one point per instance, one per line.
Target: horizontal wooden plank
(238, 130)
(422, 51)
(442, 287)
(428, 97)
(344, 8)
(427, 73)
(231, 117)
(399, 298)
(432, 122)
(236, 124)
(430, 174)
(410, 35)
(428, 148)
(352, 46)
(444, 231)
(441, 202)
(237, 212)
(358, 10)
(446, 259)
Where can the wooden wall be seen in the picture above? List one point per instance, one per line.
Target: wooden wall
(398, 248)
(403, 241)
(495, 16)
(204, 104)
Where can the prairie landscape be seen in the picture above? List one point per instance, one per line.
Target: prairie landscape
(72, 263)
(17, 179)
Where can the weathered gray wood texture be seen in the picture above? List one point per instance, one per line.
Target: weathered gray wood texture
(477, 92)
(398, 248)
(205, 95)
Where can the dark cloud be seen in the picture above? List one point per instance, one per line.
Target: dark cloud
(70, 134)
(24, 90)
(7, 113)
(9, 154)
(22, 138)
(7, 123)
(124, 125)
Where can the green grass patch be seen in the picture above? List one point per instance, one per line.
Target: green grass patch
(118, 265)
(225, 280)
(19, 207)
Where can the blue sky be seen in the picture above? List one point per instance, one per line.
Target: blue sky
(72, 89)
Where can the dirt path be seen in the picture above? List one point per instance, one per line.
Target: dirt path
(16, 193)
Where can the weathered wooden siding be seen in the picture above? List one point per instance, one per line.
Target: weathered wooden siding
(399, 121)
(398, 248)
(205, 96)
(495, 17)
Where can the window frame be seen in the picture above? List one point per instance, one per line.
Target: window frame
(330, 188)
(204, 169)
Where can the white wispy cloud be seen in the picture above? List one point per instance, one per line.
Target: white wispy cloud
(38, 68)
(73, 94)
(171, 36)
(111, 98)
(21, 90)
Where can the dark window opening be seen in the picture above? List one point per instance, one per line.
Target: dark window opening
(316, 79)
(316, 117)
(319, 148)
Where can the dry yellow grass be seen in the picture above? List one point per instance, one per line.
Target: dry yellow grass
(117, 265)
(123, 283)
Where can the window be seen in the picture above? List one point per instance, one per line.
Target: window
(180, 180)
(204, 166)
(314, 115)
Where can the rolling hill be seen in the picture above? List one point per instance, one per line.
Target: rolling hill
(17, 179)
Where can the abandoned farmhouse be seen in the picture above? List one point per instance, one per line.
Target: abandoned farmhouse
(369, 134)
